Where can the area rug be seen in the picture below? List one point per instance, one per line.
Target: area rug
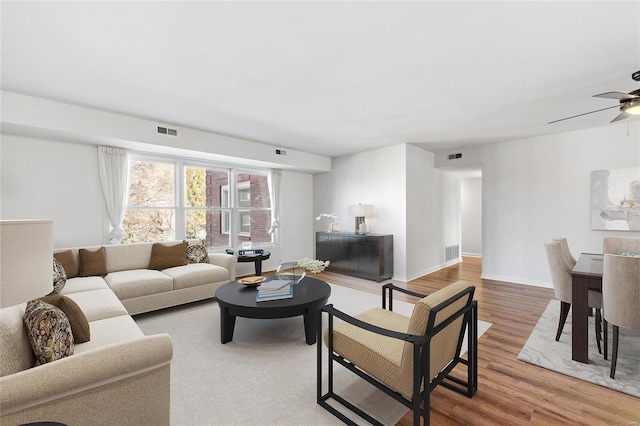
(541, 349)
(266, 374)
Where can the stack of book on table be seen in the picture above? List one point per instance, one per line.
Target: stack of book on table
(275, 290)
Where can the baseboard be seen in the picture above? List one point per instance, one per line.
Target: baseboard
(516, 280)
(472, 255)
(434, 269)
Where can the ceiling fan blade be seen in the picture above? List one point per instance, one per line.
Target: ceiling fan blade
(621, 116)
(616, 95)
(580, 115)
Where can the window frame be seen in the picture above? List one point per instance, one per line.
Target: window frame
(233, 210)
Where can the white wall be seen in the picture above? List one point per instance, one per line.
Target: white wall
(42, 118)
(41, 179)
(376, 177)
(539, 188)
(471, 217)
(412, 200)
(424, 221)
(57, 180)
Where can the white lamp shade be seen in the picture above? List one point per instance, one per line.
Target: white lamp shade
(26, 260)
(360, 210)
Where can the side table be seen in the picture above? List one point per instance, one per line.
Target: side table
(255, 258)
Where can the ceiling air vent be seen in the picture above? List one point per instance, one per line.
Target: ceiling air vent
(167, 131)
(454, 156)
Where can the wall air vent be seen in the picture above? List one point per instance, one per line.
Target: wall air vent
(451, 253)
(281, 152)
(455, 156)
(167, 131)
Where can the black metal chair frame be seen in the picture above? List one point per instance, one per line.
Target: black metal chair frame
(420, 401)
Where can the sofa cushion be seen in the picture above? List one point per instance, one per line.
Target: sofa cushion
(59, 276)
(110, 330)
(49, 331)
(138, 282)
(196, 274)
(98, 304)
(77, 319)
(78, 284)
(197, 253)
(168, 255)
(92, 262)
(68, 263)
(125, 257)
(15, 349)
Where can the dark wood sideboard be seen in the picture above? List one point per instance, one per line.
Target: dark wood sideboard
(367, 256)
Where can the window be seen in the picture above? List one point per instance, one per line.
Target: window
(171, 200)
(151, 209)
(206, 206)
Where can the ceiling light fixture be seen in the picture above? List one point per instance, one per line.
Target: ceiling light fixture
(632, 107)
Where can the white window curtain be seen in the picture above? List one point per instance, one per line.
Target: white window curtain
(113, 166)
(273, 179)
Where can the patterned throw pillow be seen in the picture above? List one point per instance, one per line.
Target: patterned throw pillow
(59, 276)
(197, 253)
(628, 253)
(49, 331)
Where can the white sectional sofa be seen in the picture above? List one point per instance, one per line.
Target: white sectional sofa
(120, 376)
(142, 290)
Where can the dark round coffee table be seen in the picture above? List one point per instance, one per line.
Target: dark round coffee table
(237, 300)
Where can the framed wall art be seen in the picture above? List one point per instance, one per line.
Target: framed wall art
(615, 199)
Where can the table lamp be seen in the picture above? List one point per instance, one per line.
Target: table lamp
(360, 211)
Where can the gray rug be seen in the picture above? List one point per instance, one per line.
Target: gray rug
(541, 349)
(266, 375)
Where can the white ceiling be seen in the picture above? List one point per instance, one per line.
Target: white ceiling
(331, 78)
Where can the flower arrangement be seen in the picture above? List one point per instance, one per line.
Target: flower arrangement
(332, 217)
(313, 265)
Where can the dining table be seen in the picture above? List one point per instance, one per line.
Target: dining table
(585, 276)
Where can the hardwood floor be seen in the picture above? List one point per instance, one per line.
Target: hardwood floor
(510, 392)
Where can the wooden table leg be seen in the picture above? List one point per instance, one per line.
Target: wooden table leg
(227, 324)
(310, 325)
(580, 319)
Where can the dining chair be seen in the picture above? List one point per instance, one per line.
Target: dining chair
(566, 253)
(562, 286)
(621, 297)
(405, 357)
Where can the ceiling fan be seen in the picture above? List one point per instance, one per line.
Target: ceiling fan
(629, 103)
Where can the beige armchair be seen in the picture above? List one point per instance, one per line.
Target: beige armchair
(561, 277)
(621, 297)
(404, 357)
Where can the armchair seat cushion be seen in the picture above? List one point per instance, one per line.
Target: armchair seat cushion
(380, 356)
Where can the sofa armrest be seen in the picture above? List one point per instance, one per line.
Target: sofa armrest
(228, 261)
(123, 383)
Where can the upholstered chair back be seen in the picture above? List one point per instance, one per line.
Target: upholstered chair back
(621, 290)
(560, 274)
(566, 253)
(618, 244)
(445, 344)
